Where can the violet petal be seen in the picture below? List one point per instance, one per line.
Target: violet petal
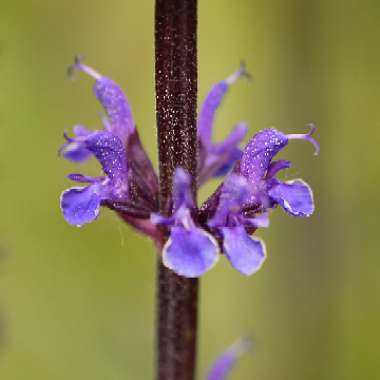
(234, 193)
(74, 148)
(217, 159)
(232, 140)
(81, 205)
(208, 110)
(110, 152)
(211, 104)
(115, 103)
(77, 177)
(110, 95)
(222, 157)
(295, 197)
(75, 152)
(259, 221)
(182, 195)
(245, 254)
(225, 165)
(80, 130)
(276, 166)
(259, 152)
(190, 252)
(223, 365)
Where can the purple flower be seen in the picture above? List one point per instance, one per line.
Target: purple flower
(217, 159)
(227, 360)
(129, 184)
(81, 205)
(224, 223)
(236, 209)
(190, 251)
(242, 202)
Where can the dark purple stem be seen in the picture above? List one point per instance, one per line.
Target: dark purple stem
(176, 100)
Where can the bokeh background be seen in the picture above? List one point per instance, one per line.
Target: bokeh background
(79, 303)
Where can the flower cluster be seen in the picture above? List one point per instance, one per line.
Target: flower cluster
(197, 236)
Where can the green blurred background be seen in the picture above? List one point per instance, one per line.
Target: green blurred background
(79, 303)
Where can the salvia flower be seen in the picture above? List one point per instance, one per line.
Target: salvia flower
(217, 159)
(196, 237)
(129, 184)
(241, 203)
(190, 251)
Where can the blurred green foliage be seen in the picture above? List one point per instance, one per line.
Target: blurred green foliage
(79, 303)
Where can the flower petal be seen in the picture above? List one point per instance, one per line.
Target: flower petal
(80, 130)
(81, 205)
(258, 221)
(211, 104)
(227, 360)
(75, 152)
(232, 140)
(295, 197)
(218, 159)
(74, 148)
(77, 177)
(234, 193)
(120, 120)
(276, 166)
(190, 253)
(208, 109)
(182, 194)
(259, 152)
(245, 254)
(223, 165)
(110, 152)
(117, 107)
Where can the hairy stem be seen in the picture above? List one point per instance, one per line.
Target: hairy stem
(176, 101)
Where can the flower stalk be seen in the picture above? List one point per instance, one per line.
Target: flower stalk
(189, 240)
(176, 102)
